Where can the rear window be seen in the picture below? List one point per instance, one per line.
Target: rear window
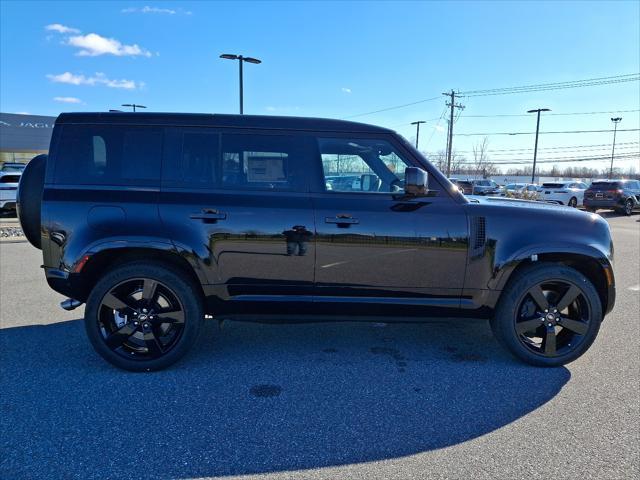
(553, 185)
(9, 178)
(109, 155)
(605, 185)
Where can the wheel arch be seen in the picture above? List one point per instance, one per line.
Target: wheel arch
(597, 270)
(109, 257)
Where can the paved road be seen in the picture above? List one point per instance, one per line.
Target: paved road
(316, 401)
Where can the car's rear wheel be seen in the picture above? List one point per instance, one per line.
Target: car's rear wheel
(143, 316)
(628, 207)
(573, 202)
(548, 315)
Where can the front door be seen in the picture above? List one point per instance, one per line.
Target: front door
(238, 206)
(376, 247)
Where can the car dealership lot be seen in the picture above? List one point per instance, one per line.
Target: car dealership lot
(316, 401)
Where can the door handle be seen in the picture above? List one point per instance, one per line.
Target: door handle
(208, 214)
(342, 220)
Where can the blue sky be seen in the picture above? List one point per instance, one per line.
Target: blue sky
(335, 59)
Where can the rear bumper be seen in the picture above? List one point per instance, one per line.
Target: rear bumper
(603, 203)
(65, 283)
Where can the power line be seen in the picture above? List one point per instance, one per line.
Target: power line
(548, 114)
(541, 133)
(552, 148)
(393, 108)
(634, 77)
(563, 159)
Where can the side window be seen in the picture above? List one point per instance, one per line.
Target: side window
(361, 165)
(263, 162)
(109, 155)
(198, 159)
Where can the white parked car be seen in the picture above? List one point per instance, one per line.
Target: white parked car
(8, 187)
(565, 193)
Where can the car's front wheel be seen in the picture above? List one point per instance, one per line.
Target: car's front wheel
(548, 315)
(573, 202)
(143, 316)
(628, 207)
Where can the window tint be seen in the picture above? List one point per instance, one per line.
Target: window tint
(361, 165)
(198, 159)
(109, 155)
(263, 162)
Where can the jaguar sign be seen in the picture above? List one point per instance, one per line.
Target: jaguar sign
(25, 133)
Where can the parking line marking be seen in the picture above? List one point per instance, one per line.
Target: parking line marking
(635, 288)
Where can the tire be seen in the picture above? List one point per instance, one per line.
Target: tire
(628, 207)
(562, 346)
(111, 313)
(29, 199)
(573, 202)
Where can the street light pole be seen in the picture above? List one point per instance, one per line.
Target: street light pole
(417, 124)
(535, 148)
(133, 105)
(615, 121)
(241, 59)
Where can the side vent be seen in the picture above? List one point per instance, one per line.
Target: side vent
(478, 236)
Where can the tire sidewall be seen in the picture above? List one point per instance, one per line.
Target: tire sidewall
(184, 290)
(503, 323)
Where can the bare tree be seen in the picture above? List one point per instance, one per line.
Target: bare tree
(481, 159)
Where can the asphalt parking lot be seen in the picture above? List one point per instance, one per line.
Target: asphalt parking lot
(316, 401)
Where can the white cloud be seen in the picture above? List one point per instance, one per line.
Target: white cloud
(56, 27)
(67, 99)
(147, 9)
(97, 79)
(346, 90)
(93, 45)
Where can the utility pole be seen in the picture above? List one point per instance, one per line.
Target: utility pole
(417, 124)
(453, 106)
(133, 105)
(613, 149)
(535, 148)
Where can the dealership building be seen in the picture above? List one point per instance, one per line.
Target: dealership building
(22, 137)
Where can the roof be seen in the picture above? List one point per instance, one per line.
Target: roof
(221, 120)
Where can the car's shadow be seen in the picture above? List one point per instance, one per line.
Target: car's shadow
(257, 398)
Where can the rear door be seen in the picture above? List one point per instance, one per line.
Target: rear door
(375, 247)
(236, 204)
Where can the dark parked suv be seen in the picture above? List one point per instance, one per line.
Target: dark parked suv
(623, 196)
(156, 220)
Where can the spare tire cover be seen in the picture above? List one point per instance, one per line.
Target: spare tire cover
(29, 199)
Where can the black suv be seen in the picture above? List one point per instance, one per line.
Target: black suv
(156, 220)
(623, 196)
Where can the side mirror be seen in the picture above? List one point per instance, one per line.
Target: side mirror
(416, 181)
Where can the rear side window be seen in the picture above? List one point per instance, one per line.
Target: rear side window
(263, 162)
(109, 155)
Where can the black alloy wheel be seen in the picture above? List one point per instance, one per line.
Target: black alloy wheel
(144, 316)
(552, 318)
(628, 207)
(573, 202)
(548, 315)
(141, 319)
